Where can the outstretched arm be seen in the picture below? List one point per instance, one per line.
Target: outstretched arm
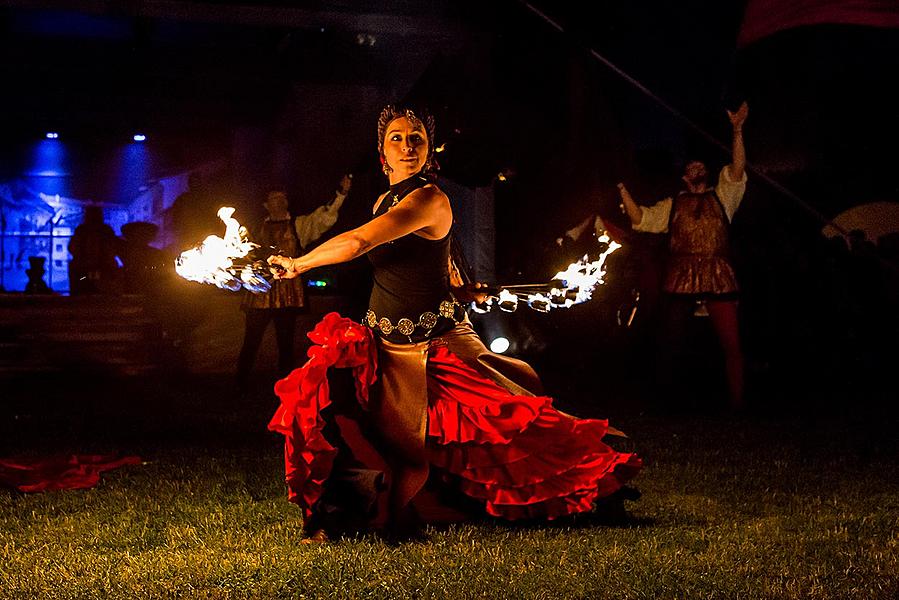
(427, 210)
(738, 165)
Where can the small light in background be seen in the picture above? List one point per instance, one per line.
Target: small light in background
(499, 345)
(440, 148)
(52, 135)
(139, 137)
(318, 283)
(506, 174)
(365, 39)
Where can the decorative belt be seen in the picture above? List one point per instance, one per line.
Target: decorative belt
(405, 326)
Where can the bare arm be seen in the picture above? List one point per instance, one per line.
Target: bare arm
(578, 230)
(426, 210)
(630, 207)
(651, 219)
(738, 165)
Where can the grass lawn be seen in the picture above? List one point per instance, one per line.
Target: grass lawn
(731, 508)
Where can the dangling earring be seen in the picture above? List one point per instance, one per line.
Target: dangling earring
(384, 166)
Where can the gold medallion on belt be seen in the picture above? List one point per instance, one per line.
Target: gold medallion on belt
(406, 326)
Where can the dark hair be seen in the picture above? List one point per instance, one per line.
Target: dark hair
(693, 159)
(419, 116)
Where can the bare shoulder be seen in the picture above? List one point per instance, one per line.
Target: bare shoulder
(429, 195)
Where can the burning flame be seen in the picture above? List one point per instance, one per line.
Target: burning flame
(569, 287)
(224, 262)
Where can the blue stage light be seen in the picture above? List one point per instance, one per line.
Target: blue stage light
(131, 170)
(139, 137)
(52, 135)
(47, 170)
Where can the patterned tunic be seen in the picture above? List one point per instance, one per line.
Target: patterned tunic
(285, 293)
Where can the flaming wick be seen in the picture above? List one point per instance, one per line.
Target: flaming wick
(572, 286)
(226, 262)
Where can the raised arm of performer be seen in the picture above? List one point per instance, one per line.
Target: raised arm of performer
(630, 207)
(311, 227)
(738, 163)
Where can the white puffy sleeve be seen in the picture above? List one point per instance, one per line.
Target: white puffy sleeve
(655, 217)
(312, 226)
(730, 191)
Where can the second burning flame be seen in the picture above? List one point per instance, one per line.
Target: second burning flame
(569, 287)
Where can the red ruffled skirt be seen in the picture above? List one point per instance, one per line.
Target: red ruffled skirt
(513, 453)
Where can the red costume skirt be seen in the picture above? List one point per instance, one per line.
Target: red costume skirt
(447, 407)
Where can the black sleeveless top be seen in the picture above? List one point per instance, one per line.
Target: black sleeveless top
(410, 299)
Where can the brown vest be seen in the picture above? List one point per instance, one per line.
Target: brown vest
(698, 261)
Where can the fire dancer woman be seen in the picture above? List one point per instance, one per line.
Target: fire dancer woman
(440, 402)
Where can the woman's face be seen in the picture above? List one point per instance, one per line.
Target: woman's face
(405, 148)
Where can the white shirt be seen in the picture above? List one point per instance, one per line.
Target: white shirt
(729, 191)
(312, 226)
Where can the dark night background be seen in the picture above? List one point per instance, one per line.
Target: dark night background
(287, 94)
(542, 107)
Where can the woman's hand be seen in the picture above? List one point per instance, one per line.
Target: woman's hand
(283, 267)
(471, 292)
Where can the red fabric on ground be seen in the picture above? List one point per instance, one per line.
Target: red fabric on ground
(44, 474)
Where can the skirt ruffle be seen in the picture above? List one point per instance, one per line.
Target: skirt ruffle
(305, 392)
(517, 454)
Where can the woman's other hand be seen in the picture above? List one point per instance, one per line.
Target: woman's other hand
(472, 292)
